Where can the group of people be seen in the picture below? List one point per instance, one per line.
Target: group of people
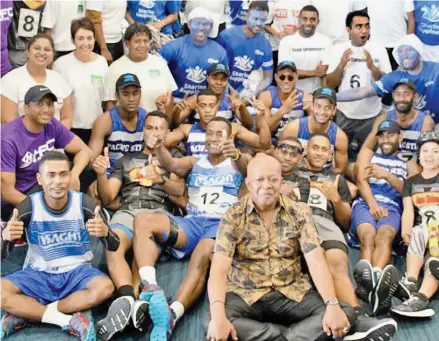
(261, 152)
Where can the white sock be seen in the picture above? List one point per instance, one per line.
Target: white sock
(53, 316)
(377, 270)
(147, 273)
(178, 309)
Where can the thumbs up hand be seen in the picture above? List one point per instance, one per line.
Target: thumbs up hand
(14, 228)
(96, 226)
(101, 163)
(163, 101)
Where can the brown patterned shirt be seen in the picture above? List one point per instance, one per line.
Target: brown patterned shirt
(267, 259)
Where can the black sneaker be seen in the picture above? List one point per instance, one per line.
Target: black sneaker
(384, 290)
(434, 268)
(364, 276)
(415, 306)
(372, 329)
(117, 317)
(406, 287)
(140, 315)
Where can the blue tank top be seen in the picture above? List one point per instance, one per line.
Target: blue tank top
(123, 141)
(304, 134)
(408, 149)
(196, 141)
(223, 109)
(276, 103)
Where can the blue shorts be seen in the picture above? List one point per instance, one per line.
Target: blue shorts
(49, 287)
(195, 229)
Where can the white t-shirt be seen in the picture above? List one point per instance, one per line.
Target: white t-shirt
(306, 53)
(154, 76)
(388, 20)
(58, 16)
(17, 82)
(356, 75)
(333, 15)
(87, 81)
(113, 14)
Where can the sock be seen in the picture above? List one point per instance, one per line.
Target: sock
(147, 273)
(53, 316)
(377, 272)
(423, 297)
(178, 309)
(412, 279)
(126, 290)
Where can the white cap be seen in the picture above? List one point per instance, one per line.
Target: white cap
(200, 12)
(408, 40)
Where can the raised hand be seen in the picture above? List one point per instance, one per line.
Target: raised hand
(14, 228)
(163, 101)
(101, 163)
(227, 145)
(292, 101)
(345, 57)
(96, 226)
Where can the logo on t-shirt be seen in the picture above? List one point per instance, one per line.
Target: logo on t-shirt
(196, 75)
(244, 63)
(431, 14)
(147, 3)
(35, 156)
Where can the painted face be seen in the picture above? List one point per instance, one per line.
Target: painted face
(200, 29)
(84, 40)
(289, 154)
(256, 20)
(429, 155)
(408, 57)
(404, 97)
(388, 142)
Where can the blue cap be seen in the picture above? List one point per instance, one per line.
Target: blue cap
(389, 126)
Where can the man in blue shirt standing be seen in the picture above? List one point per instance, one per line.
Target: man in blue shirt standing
(191, 56)
(248, 49)
(426, 18)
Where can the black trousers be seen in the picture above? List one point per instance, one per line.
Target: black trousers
(275, 317)
(116, 49)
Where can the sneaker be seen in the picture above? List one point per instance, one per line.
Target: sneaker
(415, 306)
(11, 324)
(406, 287)
(117, 317)
(148, 290)
(81, 327)
(161, 317)
(364, 276)
(384, 290)
(372, 329)
(140, 315)
(434, 268)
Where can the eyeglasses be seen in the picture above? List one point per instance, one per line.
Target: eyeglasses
(290, 78)
(293, 151)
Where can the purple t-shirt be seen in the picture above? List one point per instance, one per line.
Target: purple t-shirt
(21, 149)
(6, 17)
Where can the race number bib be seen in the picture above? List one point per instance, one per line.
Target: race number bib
(209, 198)
(429, 213)
(28, 22)
(317, 199)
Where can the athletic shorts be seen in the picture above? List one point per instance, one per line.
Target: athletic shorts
(331, 235)
(124, 219)
(195, 229)
(50, 287)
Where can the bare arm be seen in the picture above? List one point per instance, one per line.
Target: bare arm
(341, 153)
(407, 218)
(66, 113)
(363, 161)
(82, 155)
(9, 193)
(173, 138)
(101, 129)
(244, 116)
(291, 129)
(9, 110)
(356, 94)
(333, 79)
(342, 212)
(413, 168)
(265, 83)
(129, 18)
(261, 141)
(371, 139)
(110, 105)
(175, 186)
(168, 20)
(108, 189)
(411, 22)
(428, 125)
(180, 167)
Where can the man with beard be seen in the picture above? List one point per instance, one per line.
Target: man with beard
(356, 63)
(412, 121)
(376, 215)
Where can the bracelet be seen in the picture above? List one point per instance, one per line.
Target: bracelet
(237, 156)
(216, 301)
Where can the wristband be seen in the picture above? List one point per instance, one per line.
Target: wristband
(237, 156)
(217, 301)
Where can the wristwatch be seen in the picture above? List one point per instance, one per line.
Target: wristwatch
(332, 301)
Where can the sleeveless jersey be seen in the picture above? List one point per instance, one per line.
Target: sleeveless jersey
(57, 243)
(196, 141)
(223, 109)
(408, 149)
(123, 141)
(275, 106)
(304, 134)
(212, 190)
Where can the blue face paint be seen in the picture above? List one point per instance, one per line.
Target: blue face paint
(408, 57)
(256, 20)
(199, 29)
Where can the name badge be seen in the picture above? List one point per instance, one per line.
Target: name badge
(96, 80)
(154, 73)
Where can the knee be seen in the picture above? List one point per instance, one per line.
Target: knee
(368, 241)
(202, 254)
(6, 294)
(385, 238)
(338, 266)
(102, 291)
(149, 222)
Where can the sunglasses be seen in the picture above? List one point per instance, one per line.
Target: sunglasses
(292, 150)
(290, 78)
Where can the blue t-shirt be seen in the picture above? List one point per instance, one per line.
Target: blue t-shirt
(427, 21)
(238, 11)
(426, 85)
(245, 54)
(144, 11)
(189, 63)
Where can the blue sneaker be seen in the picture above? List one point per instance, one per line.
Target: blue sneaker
(148, 290)
(11, 324)
(81, 327)
(161, 317)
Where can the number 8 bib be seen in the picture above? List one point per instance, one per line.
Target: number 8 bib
(28, 22)
(317, 199)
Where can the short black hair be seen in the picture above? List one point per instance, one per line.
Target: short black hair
(350, 17)
(258, 5)
(158, 113)
(206, 92)
(137, 28)
(318, 133)
(53, 155)
(309, 8)
(222, 119)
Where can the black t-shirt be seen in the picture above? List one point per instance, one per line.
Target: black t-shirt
(301, 185)
(425, 197)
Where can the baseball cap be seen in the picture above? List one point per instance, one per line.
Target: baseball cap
(407, 82)
(285, 64)
(219, 68)
(127, 79)
(37, 92)
(326, 93)
(200, 12)
(389, 126)
(427, 137)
